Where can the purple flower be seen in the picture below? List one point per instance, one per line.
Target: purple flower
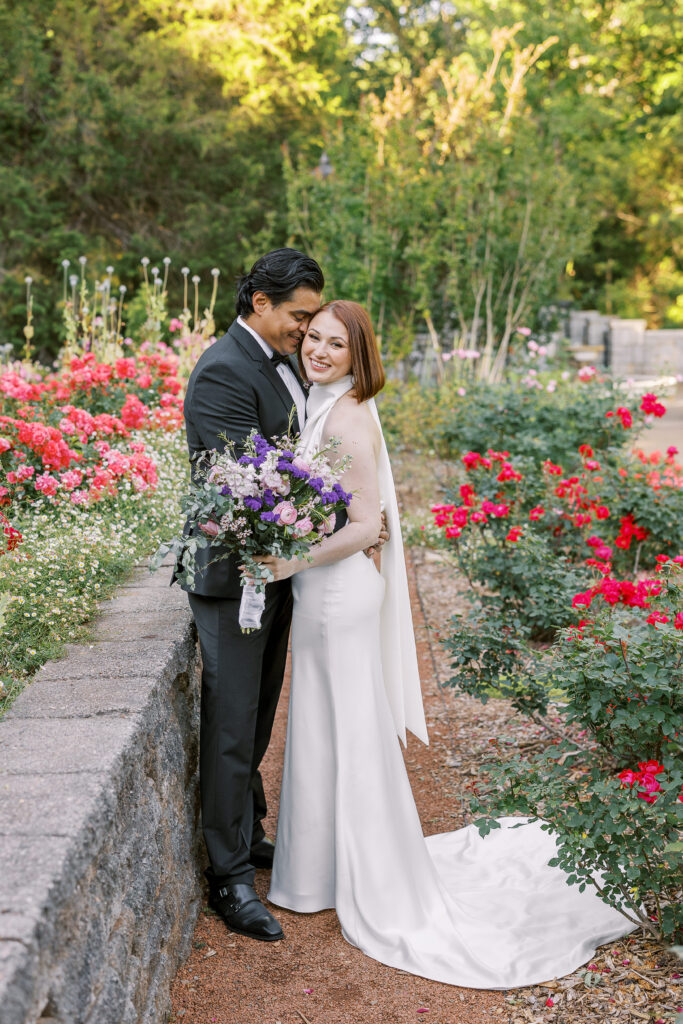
(251, 460)
(330, 497)
(317, 483)
(269, 497)
(226, 492)
(284, 466)
(269, 517)
(253, 503)
(261, 446)
(342, 494)
(300, 474)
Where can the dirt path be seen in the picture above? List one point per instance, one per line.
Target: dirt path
(314, 976)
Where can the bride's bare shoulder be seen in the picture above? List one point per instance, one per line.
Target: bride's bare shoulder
(353, 420)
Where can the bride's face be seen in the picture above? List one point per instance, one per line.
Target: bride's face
(325, 349)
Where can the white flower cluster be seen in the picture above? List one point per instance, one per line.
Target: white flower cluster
(240, 478)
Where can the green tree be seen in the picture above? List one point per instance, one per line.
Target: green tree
(151, 128)
(445, 205)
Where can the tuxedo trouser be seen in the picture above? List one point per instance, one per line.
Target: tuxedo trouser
(241, 682)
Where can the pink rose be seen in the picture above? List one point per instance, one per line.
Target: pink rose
(286, 513)
(303, 527)
(329, 526)
(47, 484)
(210, 528)
(301, 464)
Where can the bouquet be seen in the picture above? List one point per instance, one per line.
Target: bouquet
(267, 501)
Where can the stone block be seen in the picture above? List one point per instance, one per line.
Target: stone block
(119, 626)
(42, 746)
(110, 659)
(53, 805)
(84, 697)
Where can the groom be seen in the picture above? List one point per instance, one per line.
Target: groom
(246, 380)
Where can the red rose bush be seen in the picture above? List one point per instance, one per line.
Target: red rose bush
(576, 568)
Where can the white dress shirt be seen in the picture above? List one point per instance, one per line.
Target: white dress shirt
(285, 371)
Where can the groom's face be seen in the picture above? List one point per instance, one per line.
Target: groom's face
(284, 326)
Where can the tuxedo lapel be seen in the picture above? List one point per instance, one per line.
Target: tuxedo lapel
(283, 391)
(263, 365)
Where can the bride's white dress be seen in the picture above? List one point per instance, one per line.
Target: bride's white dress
(483, 913)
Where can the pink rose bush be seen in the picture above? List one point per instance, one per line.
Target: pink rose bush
(68, 435)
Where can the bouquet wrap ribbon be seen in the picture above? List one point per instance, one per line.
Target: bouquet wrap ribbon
(251, 606)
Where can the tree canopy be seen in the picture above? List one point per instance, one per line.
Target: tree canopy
(193, 129)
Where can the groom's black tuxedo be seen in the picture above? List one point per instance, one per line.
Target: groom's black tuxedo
(234, 388)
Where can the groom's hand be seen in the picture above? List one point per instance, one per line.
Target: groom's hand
(384, 536)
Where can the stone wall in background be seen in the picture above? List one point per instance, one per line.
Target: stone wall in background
(628, 347)
(99, 807)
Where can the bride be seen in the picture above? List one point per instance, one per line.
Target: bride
(456, 908)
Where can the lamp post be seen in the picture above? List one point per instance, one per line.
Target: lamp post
(324, 167)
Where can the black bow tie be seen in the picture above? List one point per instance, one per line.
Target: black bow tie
(278, 358)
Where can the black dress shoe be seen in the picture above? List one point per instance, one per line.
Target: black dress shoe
(243, 913)
(261, 855)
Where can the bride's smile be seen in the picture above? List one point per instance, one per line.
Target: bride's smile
(325, 349)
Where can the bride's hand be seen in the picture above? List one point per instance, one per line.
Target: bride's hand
(281, 568)
(384, 536)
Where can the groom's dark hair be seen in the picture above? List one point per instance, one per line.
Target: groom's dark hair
(278, 274)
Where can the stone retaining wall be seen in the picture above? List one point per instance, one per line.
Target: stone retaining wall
(99, 883)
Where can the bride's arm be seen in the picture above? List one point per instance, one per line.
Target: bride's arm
(359, 438)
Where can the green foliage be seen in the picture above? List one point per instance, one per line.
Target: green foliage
(529, 421)
(151, 129)
(158, 129)
(608, 95)
(606, 836)
(411, 414)
(622, 704)
(624, 677)
(443, 205)
(490, 654)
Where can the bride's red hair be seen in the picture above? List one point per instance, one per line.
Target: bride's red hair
(366, 362)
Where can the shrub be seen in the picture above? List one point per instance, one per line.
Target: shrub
(557, 555)
(608, 835)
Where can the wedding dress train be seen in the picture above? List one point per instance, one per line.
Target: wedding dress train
(456, 908)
